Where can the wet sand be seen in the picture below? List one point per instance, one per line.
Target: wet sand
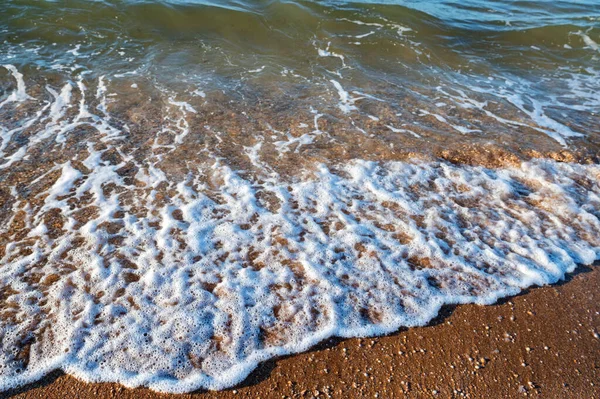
(543, 343)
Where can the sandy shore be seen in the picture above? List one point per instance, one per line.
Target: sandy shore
(543, 343)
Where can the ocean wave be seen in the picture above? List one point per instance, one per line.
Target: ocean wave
(188, 188)
(123, 263)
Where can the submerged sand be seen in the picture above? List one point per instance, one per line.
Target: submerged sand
(543, 343)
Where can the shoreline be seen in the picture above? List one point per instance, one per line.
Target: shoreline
(187, 190)
(542, 343)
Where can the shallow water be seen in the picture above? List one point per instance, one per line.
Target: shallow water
(189, 188)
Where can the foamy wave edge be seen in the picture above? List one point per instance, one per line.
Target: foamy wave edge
(409, 213)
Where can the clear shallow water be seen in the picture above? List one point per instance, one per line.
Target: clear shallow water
(530, 64)
(189, 188)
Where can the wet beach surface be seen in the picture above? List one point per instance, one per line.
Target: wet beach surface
(189, 190)
(538, 344)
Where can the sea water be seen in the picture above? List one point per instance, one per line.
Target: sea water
(188, 188)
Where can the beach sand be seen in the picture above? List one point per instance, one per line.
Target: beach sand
(543, 343)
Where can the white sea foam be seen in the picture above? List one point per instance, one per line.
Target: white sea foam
(328, 53)
(458, 128)
(358, 252)
(588, 40)
(299, 141)
(364, 35)
(578, 92)
(397, 130)
(358, 22)
(400, 29)
(346, 101)
(20, 94)
(179, 282)
(101, 95)
(257, 70)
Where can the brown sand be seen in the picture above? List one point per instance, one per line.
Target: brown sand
(544, 343)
